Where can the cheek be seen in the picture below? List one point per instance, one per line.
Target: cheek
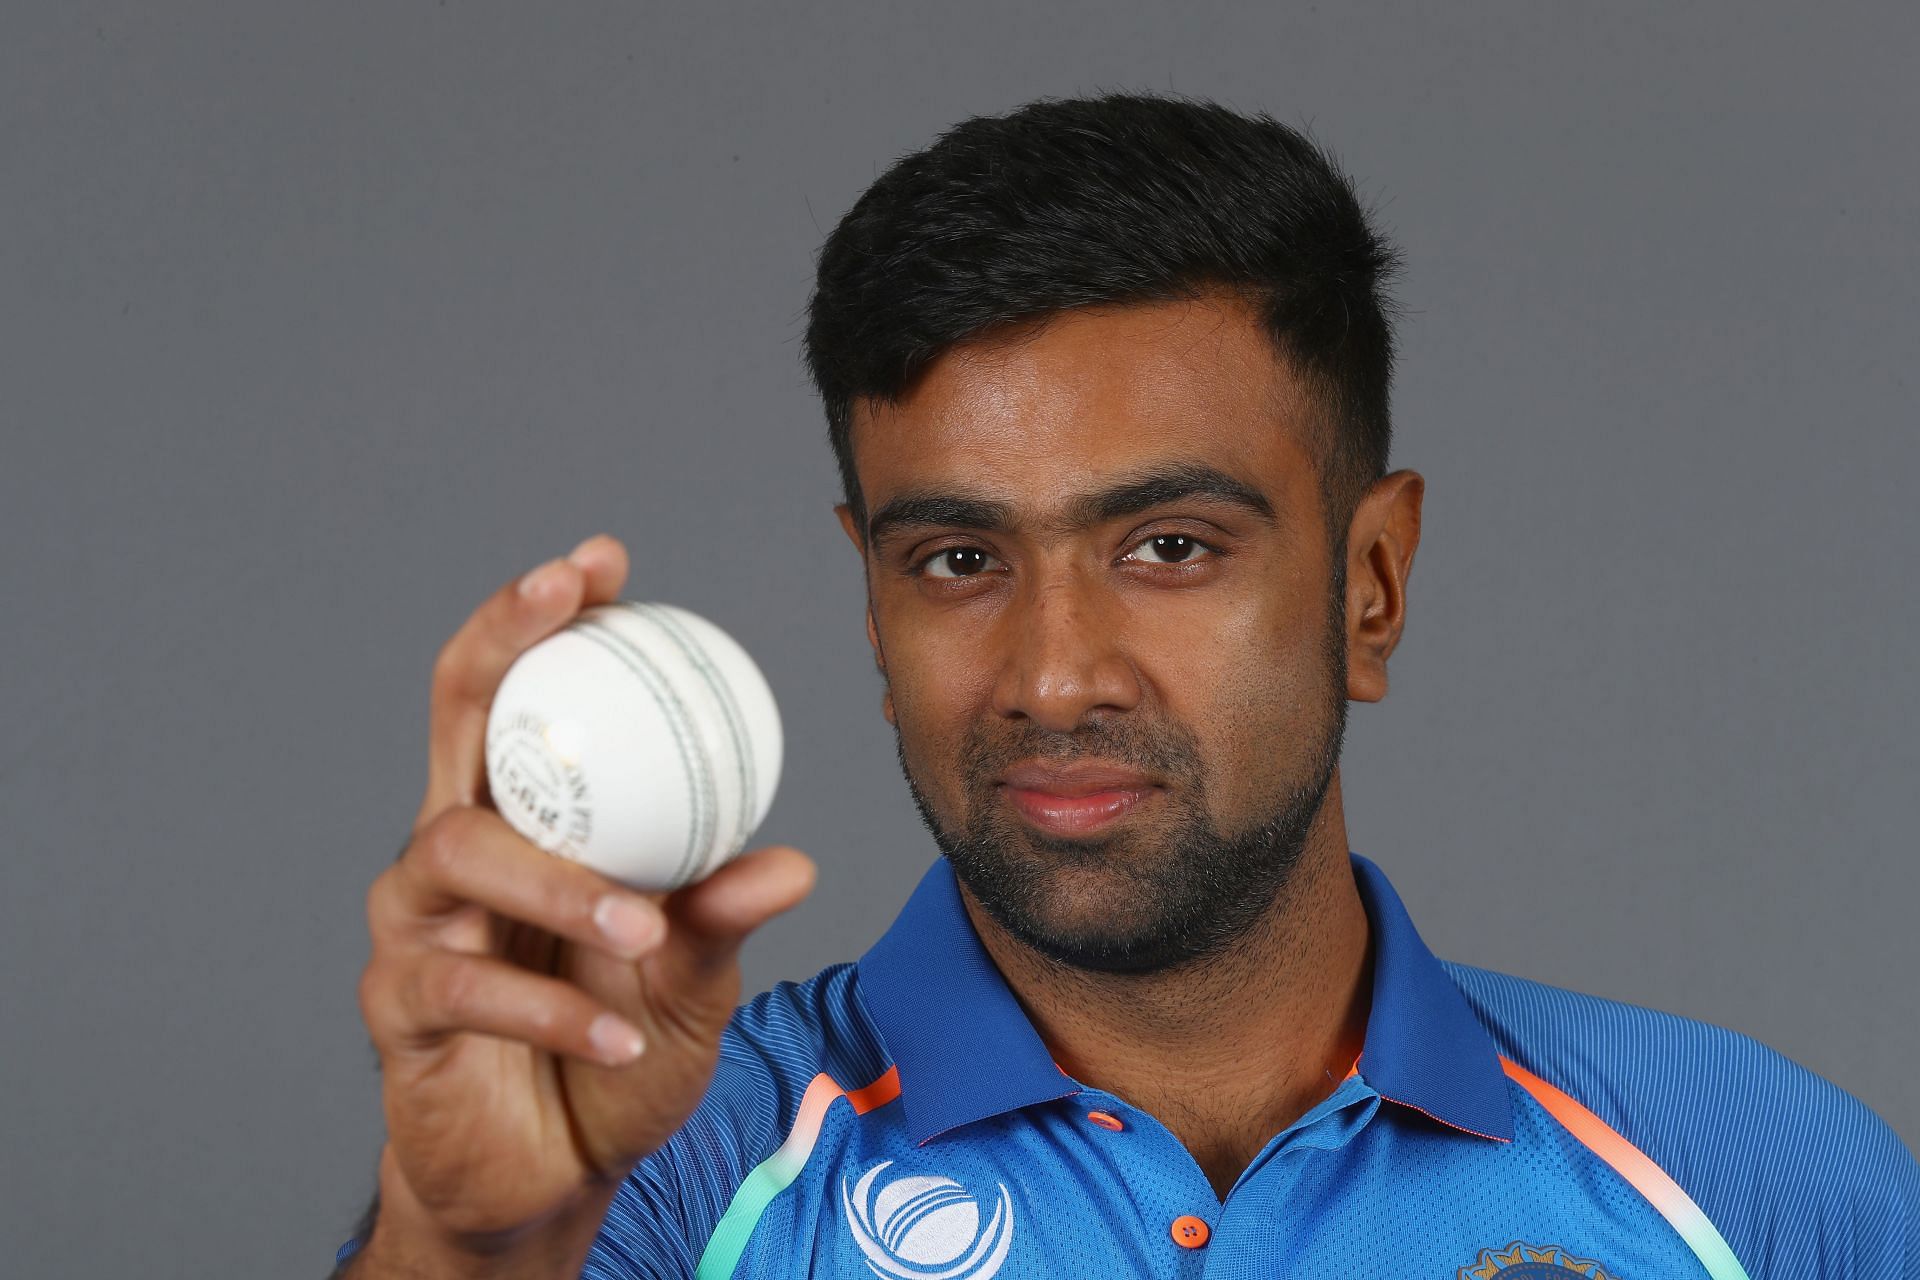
(1239, 657)
(1251, 684)
(938, 687)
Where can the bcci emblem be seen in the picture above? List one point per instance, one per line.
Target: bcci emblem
(926, 1228)
(1525, 1262)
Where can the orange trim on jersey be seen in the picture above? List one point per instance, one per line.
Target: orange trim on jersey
(877, 1094)
(1667, 1197)
(1593, 1132)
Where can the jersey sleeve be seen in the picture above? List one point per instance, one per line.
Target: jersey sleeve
(1802, 1179)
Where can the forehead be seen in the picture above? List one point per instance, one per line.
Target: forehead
(1050, 408)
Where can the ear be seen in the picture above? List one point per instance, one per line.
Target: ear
(845, 515)
(852, 527)
(1381, 540)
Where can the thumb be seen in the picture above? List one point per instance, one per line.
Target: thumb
(709, 919)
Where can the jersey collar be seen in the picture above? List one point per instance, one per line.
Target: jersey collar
(1425, 1047)
(966, 1051)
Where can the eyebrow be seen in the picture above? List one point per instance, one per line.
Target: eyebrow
(1143, 491)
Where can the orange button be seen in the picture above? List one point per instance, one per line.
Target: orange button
(1105, 1121)
(1189, 1232)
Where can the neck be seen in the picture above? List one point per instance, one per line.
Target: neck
(1288, 998)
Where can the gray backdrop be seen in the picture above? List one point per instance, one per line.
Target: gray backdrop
(318, 322)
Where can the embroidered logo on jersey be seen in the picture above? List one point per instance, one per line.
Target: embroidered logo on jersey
(923, 1227)
(1532, 1262)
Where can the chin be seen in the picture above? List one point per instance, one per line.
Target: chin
(1100, 945)
(1083, 905)
(1089, 900)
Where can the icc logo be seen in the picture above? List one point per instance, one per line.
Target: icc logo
(926, 1228)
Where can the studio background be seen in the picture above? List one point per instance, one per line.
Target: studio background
(320, 322)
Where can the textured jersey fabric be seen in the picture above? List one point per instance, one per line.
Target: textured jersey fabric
(899, 1117)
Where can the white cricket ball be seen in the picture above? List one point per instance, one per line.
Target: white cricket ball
(640, 740)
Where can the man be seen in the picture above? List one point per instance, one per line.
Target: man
(1107, 381)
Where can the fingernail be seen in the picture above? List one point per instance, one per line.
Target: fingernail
(615, 1039)
(542, 581)
(627, 925)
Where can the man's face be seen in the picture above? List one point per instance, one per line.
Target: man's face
(1110, 626)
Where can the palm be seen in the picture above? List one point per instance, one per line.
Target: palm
(543, 1124)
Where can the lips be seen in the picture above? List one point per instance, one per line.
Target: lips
(1076, 797)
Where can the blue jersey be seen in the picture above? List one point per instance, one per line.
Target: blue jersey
(900, 1118)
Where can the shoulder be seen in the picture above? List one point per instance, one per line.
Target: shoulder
(1793, 1169)
(774, 1048)
(797, 1030)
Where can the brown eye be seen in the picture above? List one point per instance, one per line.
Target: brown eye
(1170, 548)
(957, 562)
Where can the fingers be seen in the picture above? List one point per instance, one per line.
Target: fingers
(468, 857)
(442, 994)
(431, 976)
(603, 559)
(469, 667)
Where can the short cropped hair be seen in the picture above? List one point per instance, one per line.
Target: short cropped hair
(1114, 199)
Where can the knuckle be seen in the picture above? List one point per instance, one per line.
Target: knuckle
(376, 999)
(452, 678)
(450, 987)
(445, 670)
(537, 903)
(444, 841)
(558, 893)
(382, 907)
(570, 899)
(446, 659)
(376, 901)
(382, 921)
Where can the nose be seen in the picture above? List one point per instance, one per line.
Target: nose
(1064, 656)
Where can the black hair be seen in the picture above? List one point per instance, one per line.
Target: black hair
(1113, 199)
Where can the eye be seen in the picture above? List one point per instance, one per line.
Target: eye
(956, 562)
(1170, 548)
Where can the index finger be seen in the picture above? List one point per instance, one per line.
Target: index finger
(470, 666)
